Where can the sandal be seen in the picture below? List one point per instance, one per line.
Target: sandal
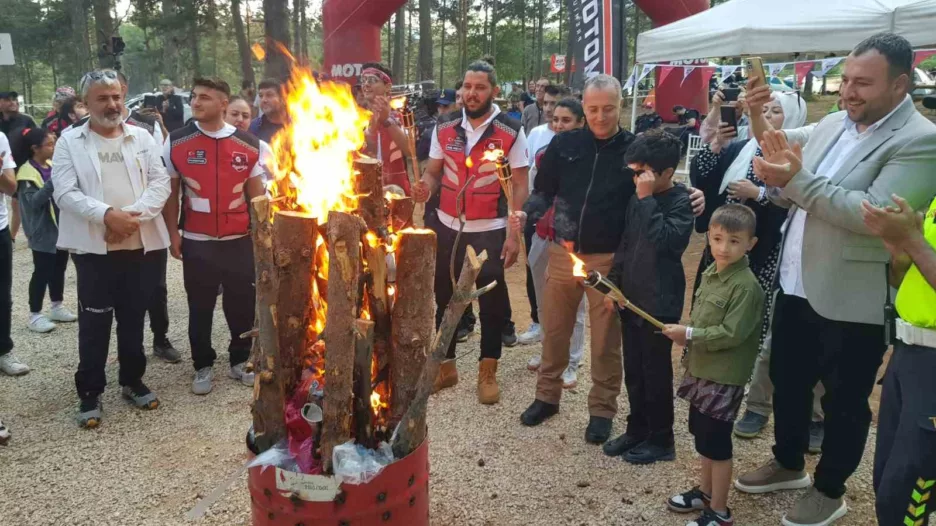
(90, 413)
(140, 396)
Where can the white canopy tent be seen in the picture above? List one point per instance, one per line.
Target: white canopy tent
(765, 27)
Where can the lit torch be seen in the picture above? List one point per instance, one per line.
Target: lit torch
(594, 280)
(504, 175)
(409, 126)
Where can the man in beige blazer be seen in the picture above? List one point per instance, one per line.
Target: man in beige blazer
(829, 319)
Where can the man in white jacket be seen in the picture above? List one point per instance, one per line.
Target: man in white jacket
(111, 185)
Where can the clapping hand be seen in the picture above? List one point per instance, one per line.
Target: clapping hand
(780, 162)
(893, 224)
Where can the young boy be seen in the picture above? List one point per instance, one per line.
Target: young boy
(648, 269)
(723, 343)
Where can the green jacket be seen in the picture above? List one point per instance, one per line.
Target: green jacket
(35, 200)
(726, 321)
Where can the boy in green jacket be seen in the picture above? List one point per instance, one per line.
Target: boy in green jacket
(722, 337)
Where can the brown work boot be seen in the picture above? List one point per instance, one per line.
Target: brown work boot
(488, 391)
(447, 377)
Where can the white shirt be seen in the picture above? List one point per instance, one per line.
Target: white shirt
(79, 192)
(539, 139)
(117, 183)
(8, 164)
(516, 158)
(255, 171)
(791, 262)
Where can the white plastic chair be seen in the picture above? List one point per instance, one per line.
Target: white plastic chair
(695, 144)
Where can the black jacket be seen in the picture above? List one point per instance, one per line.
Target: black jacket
(648, 263)
(591, 187)
(174, 116)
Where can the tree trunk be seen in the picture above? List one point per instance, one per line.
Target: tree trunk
(103, 31)
(170, 44)
(442, 58)
(409, 44)
(523, 41)
(79, 25)
(637, 18)
(399, 36)
(561, 26)
(486, 32)
(296, 36)
(276, 28)
(494, 20)
(268, 395)
(243, 47)
(304, 32)
(425, 39)
(412, 430)
(413, 317)
(196, 53)
(570, 45)
(464, 37)
(389, 45)
(344, 274)
(539, 40)
(294, 237)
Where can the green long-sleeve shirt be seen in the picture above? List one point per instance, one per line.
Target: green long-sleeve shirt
(726, 323)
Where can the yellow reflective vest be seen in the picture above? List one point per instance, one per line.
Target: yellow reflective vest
(916, 299)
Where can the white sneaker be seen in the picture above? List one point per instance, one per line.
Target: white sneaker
(4, 434)
(11, 366)
(532, 335)
(570, 377)
(41, 324)
(535, 362)
(239, 373)
(62, 314)
(201, 385)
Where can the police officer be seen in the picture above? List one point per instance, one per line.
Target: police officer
(905, 456)
(218, 166)
(470, 186)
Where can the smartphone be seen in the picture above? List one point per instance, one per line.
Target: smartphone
(731, 94)
(754, 67)
(729, 117)
(149, 101)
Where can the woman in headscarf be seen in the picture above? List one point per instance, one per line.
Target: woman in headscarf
(726, 175)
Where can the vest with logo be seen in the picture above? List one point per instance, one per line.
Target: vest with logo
(483, 198)
(214, 171)
(394, 165)
(916, 298)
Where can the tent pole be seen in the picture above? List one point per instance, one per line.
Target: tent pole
(634, 104)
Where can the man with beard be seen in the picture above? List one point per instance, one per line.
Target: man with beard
(110, 185)
(272, 117)
(386, 140)
(471, 189)
(220, 167)
(585, 174)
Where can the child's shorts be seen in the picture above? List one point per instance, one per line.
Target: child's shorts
(712, 436)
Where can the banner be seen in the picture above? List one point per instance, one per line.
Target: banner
(647, 68)
(727, 71)
(665, 72)
(630, 80)
(557, 63)
(826, 65)
(922, 55)
(775, 69)
(686, 72)
(597, 39)
(802, 68)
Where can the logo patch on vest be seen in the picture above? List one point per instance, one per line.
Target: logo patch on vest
(239, 161)
(455, 144)
(197, 157)
(494, 144)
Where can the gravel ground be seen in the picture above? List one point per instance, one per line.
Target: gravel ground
(150, 468)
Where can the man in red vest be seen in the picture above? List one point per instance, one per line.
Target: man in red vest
(386, 140)
(216, 169)
(471, 199)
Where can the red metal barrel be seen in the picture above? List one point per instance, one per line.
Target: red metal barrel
(398, 495)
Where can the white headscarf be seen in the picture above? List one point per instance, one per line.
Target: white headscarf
(794, 116)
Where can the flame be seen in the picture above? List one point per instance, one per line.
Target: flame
(315, 150)
(579, 269)
(391, 290)
(468, 162)
(492, 155)
(397, 103)
(377, 403)
(372, 240)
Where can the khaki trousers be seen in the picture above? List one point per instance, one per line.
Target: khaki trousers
(561, 299)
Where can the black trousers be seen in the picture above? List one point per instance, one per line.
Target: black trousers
(905, 453)
(531, 289)
(159, 305)
(6, 290)
(119, 284)
(494, 307)
(845, 356)
(48, 272)
(206, 265)
(648, 377)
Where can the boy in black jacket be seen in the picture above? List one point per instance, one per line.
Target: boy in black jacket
(648, 269)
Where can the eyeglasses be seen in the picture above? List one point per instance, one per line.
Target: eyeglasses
(370, 79)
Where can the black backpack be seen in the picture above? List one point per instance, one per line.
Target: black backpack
(646, 122)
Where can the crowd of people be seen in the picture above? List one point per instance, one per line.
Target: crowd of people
(790, 307)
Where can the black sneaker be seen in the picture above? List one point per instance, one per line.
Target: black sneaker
(621, 445)
(509, 336)
(691, 500)
(461, 334)
(90, 412)
(598, 430)
(711, 518)
(140, 396)
(162, 348)
(538, 412)
(648, 453)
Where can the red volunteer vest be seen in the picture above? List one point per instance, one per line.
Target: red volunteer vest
(214, 171)
(483, 198)
(394, 165)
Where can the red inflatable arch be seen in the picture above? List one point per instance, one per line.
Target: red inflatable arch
(352, 34)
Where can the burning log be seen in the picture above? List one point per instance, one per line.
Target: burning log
(376, 256)
(363, 357)
(401, 212)
(294, 235)
(268, 394)
(344, 274)
(412, 429)
(368, 185)
(413, 318)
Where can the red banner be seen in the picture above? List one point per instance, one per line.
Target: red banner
(557, 63)
(920, 56)
(707, 74)
(664, 72)
(802, 68)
